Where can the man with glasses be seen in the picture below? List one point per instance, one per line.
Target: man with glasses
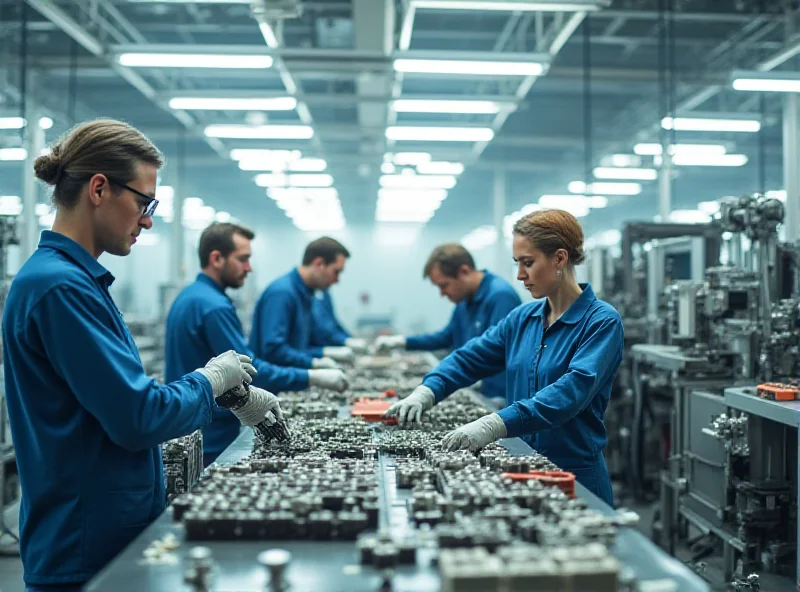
(203, 323)
(85, 418)
(283, 324)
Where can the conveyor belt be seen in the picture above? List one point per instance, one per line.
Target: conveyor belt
(333, 566)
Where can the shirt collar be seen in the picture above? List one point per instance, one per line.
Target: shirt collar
(60, 242)
(483, 288)
(577, 309)
(300, 285)
(205, 279)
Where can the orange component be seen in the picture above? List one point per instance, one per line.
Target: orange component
(389, 393)
(372, 410)
(776, 391)
(561, 479)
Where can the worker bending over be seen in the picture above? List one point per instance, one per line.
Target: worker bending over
(560, 355)
(203, 323)
(85, 418)
(283, 329)
(482, 300)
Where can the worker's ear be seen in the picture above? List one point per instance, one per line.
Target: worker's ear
(318, 262)
(464, 271)
(216, 259)
(561, 257)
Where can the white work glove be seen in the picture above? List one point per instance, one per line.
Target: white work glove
(262, 405)
(333, 379)
(327, 363)
(358, 345)
(228, 370)
(386, 343)
(409, 411)
(476, 434)
(338, 353)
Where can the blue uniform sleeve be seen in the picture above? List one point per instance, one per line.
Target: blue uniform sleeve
(107, 378)
(432, 341)
(477, 359)
(596, 360)
(503, 304)
(274, 329)
(326, 329)
(224, 332)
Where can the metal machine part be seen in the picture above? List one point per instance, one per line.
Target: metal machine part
(276, 562)
(199, 572)
(183, 463)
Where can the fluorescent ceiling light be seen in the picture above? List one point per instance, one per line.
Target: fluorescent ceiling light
(468, 67)
(245, 104)
(12, 122)
(632, 174)
(721, 160)
(440, 168)
(410, 201)
(622, 160)
(710, 124)
(439, 134)
(10, 205)
(418, 181)
(445, 106)
(605, 188)
(606, 238)
(689, 217)
(253, 153)
(260, 132)
(13, 154)
(410, 158)
(788, 82)
(709, 207)
(480, 238)
(194, 60)
(552, 6)
(387, 168)
(779, 194)
(653, 149)
(45, 123)
(282, 180)
(303, 165)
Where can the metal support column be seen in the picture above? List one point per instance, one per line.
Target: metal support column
(501, 261)
(665, 185)
(791, 172)
(34, 143)
(177, 266)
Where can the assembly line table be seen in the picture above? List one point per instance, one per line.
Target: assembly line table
(746, 399)
(332, 566)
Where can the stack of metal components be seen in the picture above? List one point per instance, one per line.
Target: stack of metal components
(183, 463)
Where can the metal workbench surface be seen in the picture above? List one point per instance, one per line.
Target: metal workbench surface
(668, 357)
(319, 566)
(746, 399)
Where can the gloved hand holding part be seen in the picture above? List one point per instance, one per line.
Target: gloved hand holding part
(476, 434)
(324, 363)
(409, 410)
(387, 343)
(333, 379)
(358, 345)
(338, 353)
(227, 371)
(261, 406)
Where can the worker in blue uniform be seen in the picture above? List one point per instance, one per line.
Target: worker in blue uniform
(283, 323)
(560, 354)
(482, 300)
(327, 328)
(85, 419)
(203, 323)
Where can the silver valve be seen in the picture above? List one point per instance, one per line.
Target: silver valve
(276, 561)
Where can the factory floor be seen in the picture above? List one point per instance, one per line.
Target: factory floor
(10, 565)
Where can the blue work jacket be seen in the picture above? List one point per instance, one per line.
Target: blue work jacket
(558, 380)
(494, 299)
(327, 328)
(282, 323)
(202, 323)
(85, 419)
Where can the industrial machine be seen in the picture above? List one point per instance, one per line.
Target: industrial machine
(728, 474)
